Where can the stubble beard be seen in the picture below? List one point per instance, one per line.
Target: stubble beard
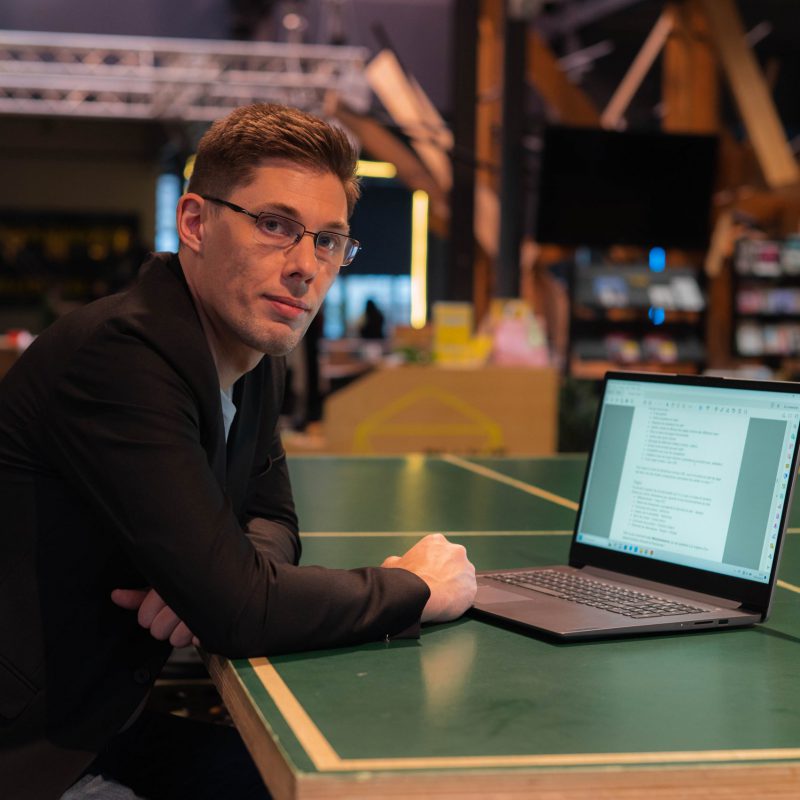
(278, 343)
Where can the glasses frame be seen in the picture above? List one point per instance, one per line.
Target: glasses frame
(305, 231)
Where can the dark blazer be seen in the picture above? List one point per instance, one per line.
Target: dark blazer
(114, 472)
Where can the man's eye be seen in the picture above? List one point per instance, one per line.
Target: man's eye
(329, 242)
(274, 226)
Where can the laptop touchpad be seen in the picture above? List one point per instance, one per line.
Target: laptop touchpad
(487, 595)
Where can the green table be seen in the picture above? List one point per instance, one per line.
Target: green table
(475, 710)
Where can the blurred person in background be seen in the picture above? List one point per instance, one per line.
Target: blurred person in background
(372, 322)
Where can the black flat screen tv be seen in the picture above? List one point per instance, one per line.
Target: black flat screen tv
(601, 188)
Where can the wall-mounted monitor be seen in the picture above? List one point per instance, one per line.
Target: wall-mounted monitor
(601, 188)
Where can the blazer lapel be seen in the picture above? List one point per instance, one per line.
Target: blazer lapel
(218, 456)
(242, 440)
(183, 342)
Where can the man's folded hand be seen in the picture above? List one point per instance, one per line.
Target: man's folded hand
(155, 615)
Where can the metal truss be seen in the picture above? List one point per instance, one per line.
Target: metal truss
(194, 80)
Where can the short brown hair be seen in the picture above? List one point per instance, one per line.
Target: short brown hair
(235, 145)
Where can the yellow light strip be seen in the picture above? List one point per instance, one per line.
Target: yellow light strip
(188, 167)
(419, 258)
(376, 169)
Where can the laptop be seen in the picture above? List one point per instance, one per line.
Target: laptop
(684, 505)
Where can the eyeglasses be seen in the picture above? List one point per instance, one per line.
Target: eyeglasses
(330, 248)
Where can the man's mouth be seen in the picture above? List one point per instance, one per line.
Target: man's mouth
(288, 307)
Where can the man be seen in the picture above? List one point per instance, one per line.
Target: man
(144, 489)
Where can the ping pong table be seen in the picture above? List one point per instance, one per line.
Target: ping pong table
(472, 709)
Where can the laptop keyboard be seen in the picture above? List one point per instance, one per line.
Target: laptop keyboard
(595, 593)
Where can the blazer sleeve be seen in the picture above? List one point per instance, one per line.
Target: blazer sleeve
(269, 518)
(124, 426)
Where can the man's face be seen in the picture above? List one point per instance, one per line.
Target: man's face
(261, 296)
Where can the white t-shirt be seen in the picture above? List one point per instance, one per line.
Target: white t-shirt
(228, 410)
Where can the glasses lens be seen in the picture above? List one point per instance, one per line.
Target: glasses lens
(330, 247)
(277, 230)
(335, 249)
(351, 248)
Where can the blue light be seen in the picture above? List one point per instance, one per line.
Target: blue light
(168, 192)
(656, 315)
(658, 259)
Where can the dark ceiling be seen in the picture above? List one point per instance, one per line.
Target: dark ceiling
(774, 23)
(421, 32)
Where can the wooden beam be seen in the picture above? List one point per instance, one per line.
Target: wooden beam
(512, 168)
(614, 113)
(418, 118)
(690, 77)
(751, 94)
(567, 102)
(488, 118)
(720, 247)
(487, 219)
(719, 293)
(456, 280)
(490, 93)
(384, 145)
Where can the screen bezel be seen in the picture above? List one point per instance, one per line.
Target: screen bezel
(752, 594)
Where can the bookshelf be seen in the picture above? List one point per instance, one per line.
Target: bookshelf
(766, 300)
(634, 317)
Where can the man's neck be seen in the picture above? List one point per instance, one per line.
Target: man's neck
(231, 362)
(228, 370)
(232, 359)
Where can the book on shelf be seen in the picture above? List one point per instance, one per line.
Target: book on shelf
(622, 348)
(687, 294)
(779, 340)
(611, 291)
(661, 296)
(768, 258)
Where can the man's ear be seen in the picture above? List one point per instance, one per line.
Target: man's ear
(189, 221)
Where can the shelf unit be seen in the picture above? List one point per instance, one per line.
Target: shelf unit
(766, 300)
(632, 317)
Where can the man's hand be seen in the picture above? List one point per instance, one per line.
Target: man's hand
(447, 571)
(155, 615)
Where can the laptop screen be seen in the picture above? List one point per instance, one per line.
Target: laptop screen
(693, 475)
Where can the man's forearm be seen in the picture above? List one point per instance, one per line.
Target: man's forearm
(275, 541)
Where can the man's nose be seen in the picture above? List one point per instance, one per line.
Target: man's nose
(301, 258)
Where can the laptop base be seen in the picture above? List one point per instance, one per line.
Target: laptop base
(543, 612)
